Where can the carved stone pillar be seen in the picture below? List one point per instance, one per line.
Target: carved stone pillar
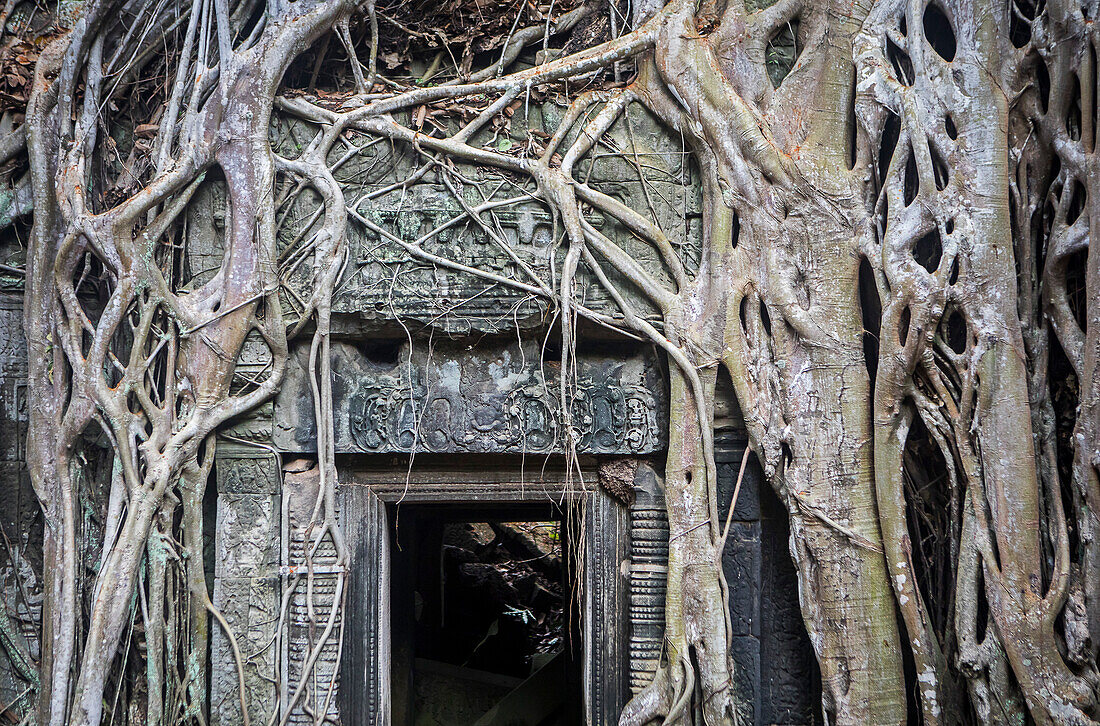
(247, 545)
(648, 570)
(310, 608)
(607, 539)
(742, 564)
(365, 688)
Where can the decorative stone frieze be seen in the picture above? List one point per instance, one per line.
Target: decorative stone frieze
(486, 399)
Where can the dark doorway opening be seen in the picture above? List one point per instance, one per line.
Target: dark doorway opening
(484, 617)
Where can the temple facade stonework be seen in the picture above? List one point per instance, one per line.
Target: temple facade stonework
(447, 395)
(446, 391)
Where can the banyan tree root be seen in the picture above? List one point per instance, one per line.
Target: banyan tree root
(152, 367)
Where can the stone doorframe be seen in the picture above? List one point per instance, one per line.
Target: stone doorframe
(364, 493)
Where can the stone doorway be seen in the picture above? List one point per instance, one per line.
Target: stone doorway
(398, 524)
(484, 625)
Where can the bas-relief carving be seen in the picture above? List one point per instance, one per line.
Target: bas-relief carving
(13, 384)
(247, 470)
(247, 536)
(13, 415)
(253, 428)
(642, 166)
(246, 580)
(13, 345)
(254, 356)
(492, 399)
(250, 605)
(246, 590)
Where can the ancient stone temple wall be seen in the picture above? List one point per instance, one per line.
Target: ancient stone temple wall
(462, 372)
(20, 517)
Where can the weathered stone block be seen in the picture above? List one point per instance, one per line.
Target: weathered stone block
(13, 344)
(741, 565)
(745, 652)
(247, 471)
(13, 417)
(728, 449)
(252, 427)
(789, 680)
(255, 355)
(247, 540)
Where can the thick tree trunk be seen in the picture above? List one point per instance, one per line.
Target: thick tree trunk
(783, 237)
(824, 471)
(47, 380)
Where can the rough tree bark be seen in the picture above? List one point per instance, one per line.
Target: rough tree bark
(895, 255)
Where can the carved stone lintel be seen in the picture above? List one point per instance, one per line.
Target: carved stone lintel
(491, 399)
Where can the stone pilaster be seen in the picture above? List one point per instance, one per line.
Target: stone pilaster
(247, 586)
(648, 570)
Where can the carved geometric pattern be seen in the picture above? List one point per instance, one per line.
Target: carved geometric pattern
(310, 604)
(648, 569)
